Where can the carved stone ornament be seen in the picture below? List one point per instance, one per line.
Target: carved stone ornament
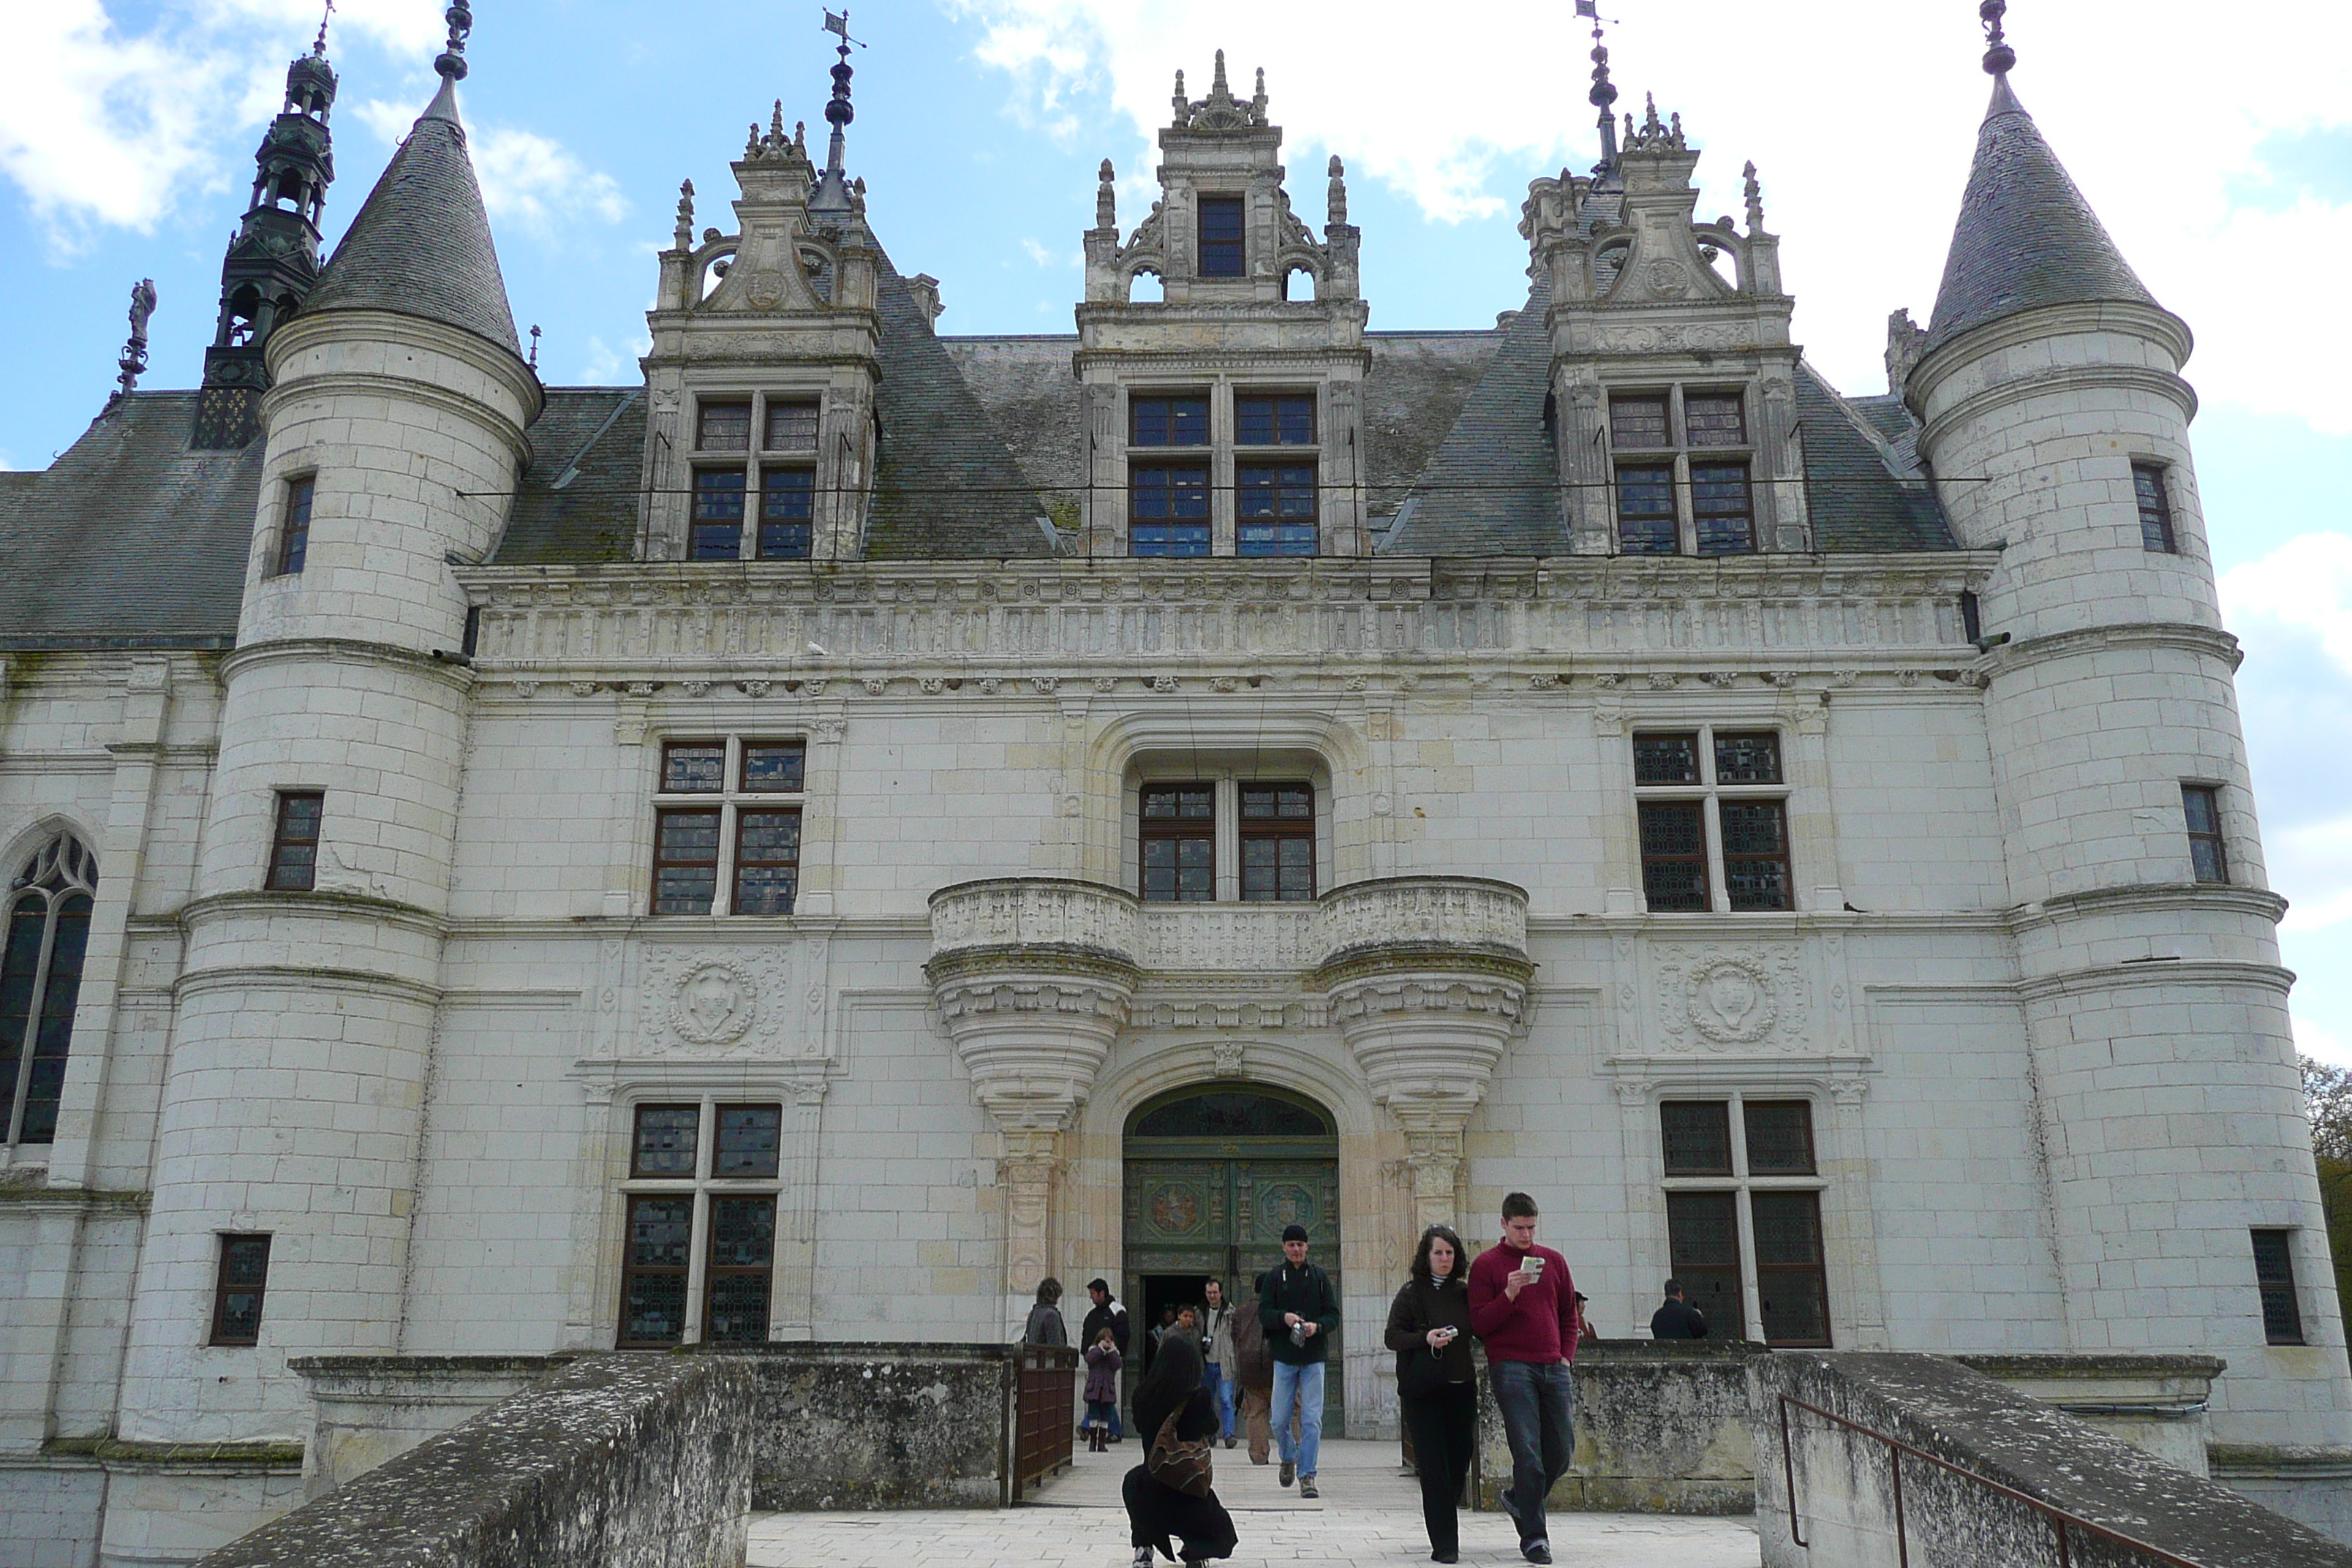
(714, 1004)
(1725, 998)
(694, 1001)
(1666, 279)
(1231, 1057)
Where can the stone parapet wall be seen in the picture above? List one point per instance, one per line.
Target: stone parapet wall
(619, 1460)
(1660, 1428)
(371, 1409)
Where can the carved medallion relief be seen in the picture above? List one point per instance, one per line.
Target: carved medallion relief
(1732, 999)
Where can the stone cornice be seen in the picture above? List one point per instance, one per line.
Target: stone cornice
(312, 906)
(2163, 384)
(2209, 640)
(495, 361)
(302, 977)
(2166, 897)
(2163, 972)
(2151, 322)
(346, 650)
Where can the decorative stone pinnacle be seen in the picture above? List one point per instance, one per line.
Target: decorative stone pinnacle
(1106, 198)
(451, 62)
(1217, 88)
(1337, 209)
(1257, 103)
(684, 234)
(1183, 105)
(1999, 58)
(319, 45)
(1755, 192)
(1220, 110)
(133, 363)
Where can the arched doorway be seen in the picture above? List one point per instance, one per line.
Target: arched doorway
(1214, 1173)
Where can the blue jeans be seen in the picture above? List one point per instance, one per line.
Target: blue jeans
(1304, 1385)
(1538, 1405)
(1214, 1377)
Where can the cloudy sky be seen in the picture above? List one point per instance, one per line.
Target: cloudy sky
(2216, 142)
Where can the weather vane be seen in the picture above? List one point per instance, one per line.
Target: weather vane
(840, 25)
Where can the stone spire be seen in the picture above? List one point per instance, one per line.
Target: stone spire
(2026, 239)
(1603, 95)
(421, 245)
(272, 262)
(833, 196)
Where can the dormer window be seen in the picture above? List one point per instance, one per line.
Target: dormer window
(1220, 237)
(724, 427)
(791, 425)
(1181, 421)
(1287, 421)
(1687, 497)
(764, 508)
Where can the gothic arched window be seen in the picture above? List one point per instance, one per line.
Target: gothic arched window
(40, 976)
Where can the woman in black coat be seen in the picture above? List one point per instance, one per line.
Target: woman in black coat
(1431, 1316)
(1156, 1511)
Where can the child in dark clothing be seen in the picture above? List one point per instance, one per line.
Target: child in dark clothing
(1103, 1362)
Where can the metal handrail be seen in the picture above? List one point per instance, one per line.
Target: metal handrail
(2061, 1520)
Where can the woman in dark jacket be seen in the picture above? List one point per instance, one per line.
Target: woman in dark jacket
(1431, 1316)
(1155, 1511)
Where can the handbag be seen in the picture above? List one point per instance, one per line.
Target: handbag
(1180, 1466)
(1422, 1375)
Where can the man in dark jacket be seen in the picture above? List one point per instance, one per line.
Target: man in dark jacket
(1108, 1314)
(1299, 1310)
(1676, 1320)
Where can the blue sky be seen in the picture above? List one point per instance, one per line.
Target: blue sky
(2217, 146)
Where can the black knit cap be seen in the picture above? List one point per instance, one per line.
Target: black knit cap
(1291, 1233)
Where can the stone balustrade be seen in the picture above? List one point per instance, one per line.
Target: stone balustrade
(1033, 914)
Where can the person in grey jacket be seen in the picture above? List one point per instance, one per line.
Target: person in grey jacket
(1217, 1350)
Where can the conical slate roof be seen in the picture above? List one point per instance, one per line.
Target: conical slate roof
(421, 247)
(2026, 237)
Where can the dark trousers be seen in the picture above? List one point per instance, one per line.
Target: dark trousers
(1443, 1427)
(1538, 1407)
(1155, 1512)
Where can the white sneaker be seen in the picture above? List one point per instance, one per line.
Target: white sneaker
(1142, 1557)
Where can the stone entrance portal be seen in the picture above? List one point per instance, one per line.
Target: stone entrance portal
(1212, 1175)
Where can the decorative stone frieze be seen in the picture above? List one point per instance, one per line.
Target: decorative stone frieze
(1738, 999)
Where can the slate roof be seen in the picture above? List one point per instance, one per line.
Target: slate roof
(130, 539)
(2026, 237)
(1493, 487)
(421, 244)
(578, 501)
(1860, 493)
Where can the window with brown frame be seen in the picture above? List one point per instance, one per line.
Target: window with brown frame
(1222, 251)
(656, 1256)
(1721, 509)
(1756, 854)
(715, 532)
(1696, 1137)
(1792, 1283)
(732, 1196)
(294, 538)
(1639, 424)
(240, 1280)
(1712, 774)
(1703, 1252)
(1278, 842)
(2155, 510)
(1767, 1190)
(1747, 758)
(686, 861)
(665, 1139)
(2275, 1277)
(694, 767)
(767, 860)
(791, 425)
(774, 767)
(742, 1261)
(724, 426)
(1646, 510)
(1178, 848)
(1673, 856)
(1780, 1137)
(1274, 509)
(294, 843)
(2209, 856)
(745, 841)
(787, 513)
(1168, 420)
(1665, 759)
(1715, 419)
(1282, 419)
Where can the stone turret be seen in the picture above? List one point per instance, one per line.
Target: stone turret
(273, 261)
(293, 1105)
(2056, 419)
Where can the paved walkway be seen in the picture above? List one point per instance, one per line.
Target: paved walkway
(1370, 1512)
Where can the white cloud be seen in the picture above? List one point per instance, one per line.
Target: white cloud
(533, 180)
(1046, 257)
(1862, 116)
(2313, 1038)
(607, 366)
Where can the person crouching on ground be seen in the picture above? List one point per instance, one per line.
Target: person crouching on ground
(1437, 1389)
(1523, 1305)
(1103, 1362)
(1171, 1492)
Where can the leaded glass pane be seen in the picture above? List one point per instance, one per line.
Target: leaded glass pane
(1645, 511)
(1721, 511)
(1637, 423)
(1748, 759)
(1714, 419)
(1673, 856)
(792, 426)
(724, 427)
(717, 533)
(1696, 1135)
(1665, 759)
(1780, 1137)
(664, 1143)
(748, 1138)
(774, 767)
(694, 767)
(1220, 237)
(1168, 422)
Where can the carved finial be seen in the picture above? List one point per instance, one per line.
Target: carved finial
(1339, 199)
(800, 137)
(1650, 126)
(684, 234)
(133, 363)
(1106, 198)
(1217, 88)
(1755, 199)
(858, 195)
(319, 45)
(776, 126)
(1603, 94)
(1183, 105)
(751, 143)
(1677, 130)
(534, 347)
(451, 62)
(1257, 103)
(1999, 58)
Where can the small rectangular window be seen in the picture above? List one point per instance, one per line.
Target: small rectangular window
(1665, 759)
(1780, 1137)
(694, 767)
(2201, 804)
(1645, 511)
(1286, 421)
(294, 846)
(748, 1138)
(658, 1249)
(1703, 1244)
(1278, 842)
(1696, 1135)
(742, 1263)
(2274, 1275)
(1747, 758)
(1791, 1281)
(1274, 509)
(1638, 424)
(663, 1144)
(724, 427)
(1722, 510)
(767, 860)
(1168, 510)
(1673, 856)
(2155, 510)
(238, 1286)
(1220, 237)
(1168, 422)
(294, 538)
(718, 531)
(774, 767)
(791, 425)
(1714, 419)
(1756, 854)
(1179, 843)
(686, 861)
(787, 509)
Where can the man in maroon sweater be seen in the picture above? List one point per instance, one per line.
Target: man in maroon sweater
(1523, 1305)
